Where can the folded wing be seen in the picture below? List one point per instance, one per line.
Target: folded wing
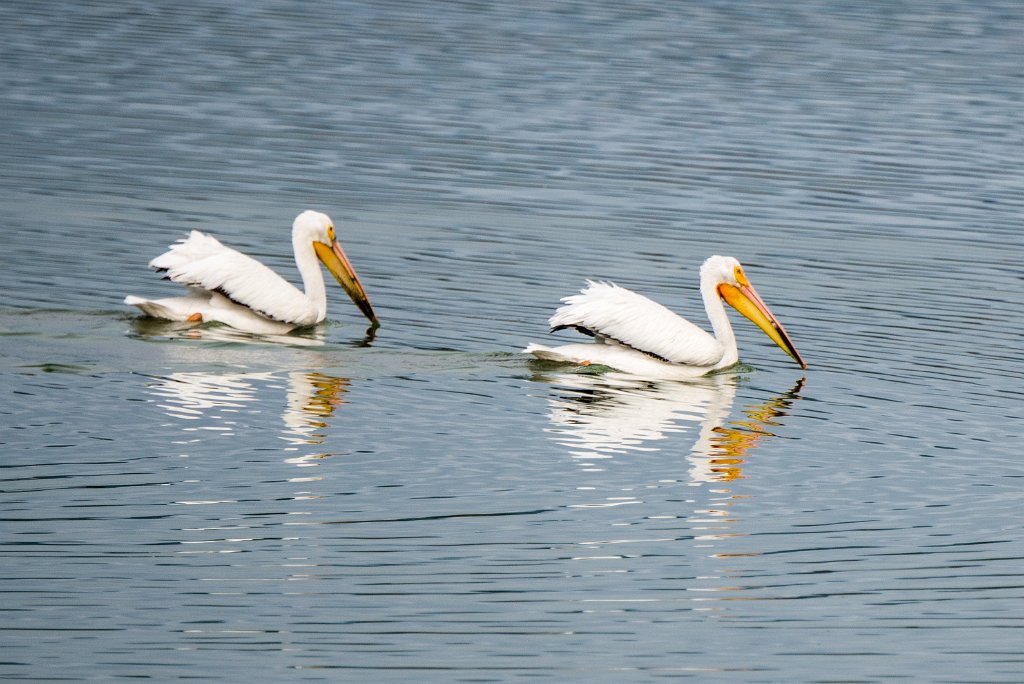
(615, 314)
(200, 260)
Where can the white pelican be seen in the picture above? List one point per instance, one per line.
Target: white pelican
(229, 287)
(638, 336)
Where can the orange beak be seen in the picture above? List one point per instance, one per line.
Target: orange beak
(745, 299)
(334, 259)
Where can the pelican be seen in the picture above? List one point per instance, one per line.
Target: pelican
(229, 287)
(641, 337)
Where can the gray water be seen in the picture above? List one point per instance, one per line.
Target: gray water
(425, 504)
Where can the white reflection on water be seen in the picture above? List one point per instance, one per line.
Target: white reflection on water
(606, 420)
(216, 400)
(210, 396)
(598, 417)
(312, 398)
(604, 415)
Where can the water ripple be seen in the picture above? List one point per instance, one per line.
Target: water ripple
(177, 501)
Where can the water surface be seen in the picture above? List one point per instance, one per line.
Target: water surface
(427, 504)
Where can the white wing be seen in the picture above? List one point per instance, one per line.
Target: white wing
(614, 313)
(202, 261)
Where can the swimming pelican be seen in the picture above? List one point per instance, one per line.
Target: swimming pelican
(229, 287)
(641, 337)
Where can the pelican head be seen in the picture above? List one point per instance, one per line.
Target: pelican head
(732, 285)
(313, 227)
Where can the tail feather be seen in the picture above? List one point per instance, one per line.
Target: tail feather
(547, 353)
(154, 309)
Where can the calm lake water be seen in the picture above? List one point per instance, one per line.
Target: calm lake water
(426, 504)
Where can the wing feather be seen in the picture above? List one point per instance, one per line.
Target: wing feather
(201, 260)
(606, 310)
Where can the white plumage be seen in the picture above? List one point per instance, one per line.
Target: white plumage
(229, 287)
(620, 315)
(203, 262)
(639, 336)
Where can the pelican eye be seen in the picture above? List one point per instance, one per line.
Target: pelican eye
(741, 277)
(330, 233)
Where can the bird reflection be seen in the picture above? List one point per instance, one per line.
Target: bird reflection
(620, 420)
(217, 401)
(729, 444)
(312, 399)
(600, 416)
(603, 418)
